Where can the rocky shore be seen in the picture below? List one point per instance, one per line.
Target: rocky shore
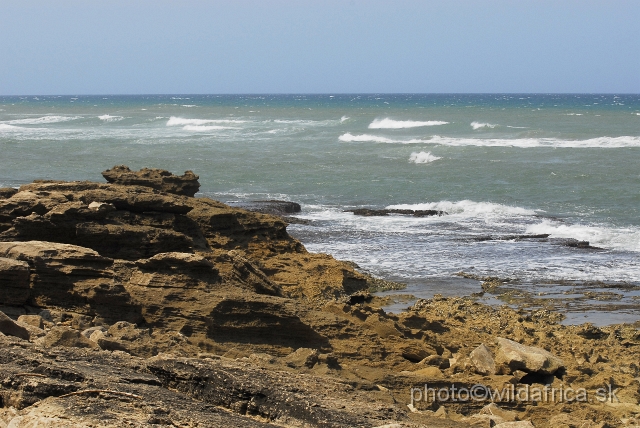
(133, 303)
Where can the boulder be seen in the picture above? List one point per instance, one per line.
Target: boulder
(302, 357)
(158, 179)
(11, 328)
(65, 336)
(515, 356)
(89, 331)
(14, 282)
(483, 360)
(33, 320)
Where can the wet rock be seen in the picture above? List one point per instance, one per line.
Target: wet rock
(14, 282)
(515, 356)
(11, 328)
(67, 337)
(158, 179)
(573, 243)
(367, 212)
(483, 360)
(269, 207)
(302, 357)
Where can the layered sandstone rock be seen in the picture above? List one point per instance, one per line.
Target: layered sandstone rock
(158, 179)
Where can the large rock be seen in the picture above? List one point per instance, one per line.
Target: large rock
(529, 359)
(483, 360)
(11, 328)
(158, 179)
(67, 337)
(75, 278)
(14, 282)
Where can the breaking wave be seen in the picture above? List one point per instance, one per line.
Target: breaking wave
(41, 120)
(423, 157)
(598, 236)
(387, 123)
(480, 125)
(109, 118)
(179, 121)
(204, 128)
(467, 208)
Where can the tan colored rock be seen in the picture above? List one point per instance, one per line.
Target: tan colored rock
(302, 357)
(415, 351)
(493, 409)
(516, 356)
(518, 424)
(33, 320)
(14, 282)
(89, 331)
(431, 371)
(483, 360)
(96, 335)
(159, 179)
(64, 336)
(10, 328)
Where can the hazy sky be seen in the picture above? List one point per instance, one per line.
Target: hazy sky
(321, 46)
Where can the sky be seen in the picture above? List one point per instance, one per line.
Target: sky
(318, 46)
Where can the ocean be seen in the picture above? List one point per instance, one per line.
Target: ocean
(507, 169)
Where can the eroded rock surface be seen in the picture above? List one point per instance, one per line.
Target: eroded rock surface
(158, 179)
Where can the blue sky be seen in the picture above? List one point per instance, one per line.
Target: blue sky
(323, 46)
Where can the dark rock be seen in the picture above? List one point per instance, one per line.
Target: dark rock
(14, 282)
(158, 179)
(11, 328)
(367, 212)
(7, 192)
(269, 207)
(573, 243)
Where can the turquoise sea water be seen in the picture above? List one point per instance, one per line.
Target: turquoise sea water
(500, 165)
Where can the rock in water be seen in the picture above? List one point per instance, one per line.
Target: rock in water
(158, 179)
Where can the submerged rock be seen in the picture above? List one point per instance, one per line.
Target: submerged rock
(367, 212)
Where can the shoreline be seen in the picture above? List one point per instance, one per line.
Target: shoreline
(135, 300)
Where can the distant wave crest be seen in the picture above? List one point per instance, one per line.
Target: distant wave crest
(480, 125)
(180, 121)
(109, 118)
(204, 128)
(42, 120)
(387, 123)
(364, 138)
(423, 157)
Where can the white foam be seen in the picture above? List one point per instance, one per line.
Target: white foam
(364, 138)
(109, 118)
(344, 119)
(480, 125)
(387, 123)
(188, 105)
(598, 236)
(204, 128)
(423, 157)
(41, 120)
(467, 208)
(5, 127)
(601, 142)
(179, 121)
(573, 114)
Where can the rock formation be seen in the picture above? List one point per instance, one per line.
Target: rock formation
(133, 303)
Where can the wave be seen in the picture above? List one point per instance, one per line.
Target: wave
(344, 119)
(179, 121)
(109, 118)
(387, 123)
(598, 236)
(599, 142)
(41, 120)
(467, 208)
(423, 157)
(203, 128)
(364, 138)
(5, 127)
(480, 125)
